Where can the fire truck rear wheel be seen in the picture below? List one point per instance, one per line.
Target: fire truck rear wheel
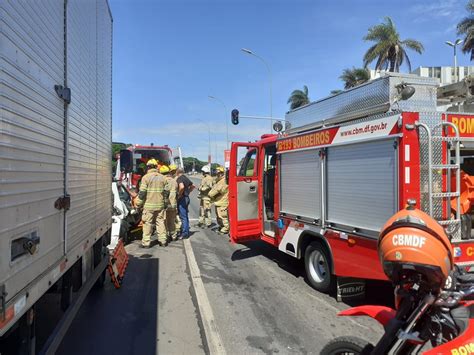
(317, 263)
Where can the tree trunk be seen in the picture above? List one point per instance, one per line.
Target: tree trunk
(392, 65)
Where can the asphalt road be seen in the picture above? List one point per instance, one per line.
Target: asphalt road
(259, 300)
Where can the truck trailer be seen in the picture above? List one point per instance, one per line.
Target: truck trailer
(55, 159)
(322, 190)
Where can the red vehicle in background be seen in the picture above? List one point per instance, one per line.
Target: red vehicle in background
(322, 190)
(131, 164)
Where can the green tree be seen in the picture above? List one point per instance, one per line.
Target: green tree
(466, 28)
(389, 50)
(116, 148)
(355, 76)
(190, 162)
(335, 92)
(298, 98)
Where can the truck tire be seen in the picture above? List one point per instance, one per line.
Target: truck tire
(318, 263)
(347, 345)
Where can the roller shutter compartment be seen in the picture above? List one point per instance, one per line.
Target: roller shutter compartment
(362, 184)
(300, 182)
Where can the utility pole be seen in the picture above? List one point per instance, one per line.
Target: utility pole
(454, 45)
(248, 51)
(209, 158)
(226, 121)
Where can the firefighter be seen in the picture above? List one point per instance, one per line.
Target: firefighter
(171, 208)
(154, 192)
(205, 218)
(219, 195)
(177, 223)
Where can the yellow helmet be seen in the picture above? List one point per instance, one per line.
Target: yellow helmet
(164, 169)
(152, 162)
(173, 167)
(220, 169)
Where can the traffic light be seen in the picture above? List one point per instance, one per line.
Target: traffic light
(235, 116)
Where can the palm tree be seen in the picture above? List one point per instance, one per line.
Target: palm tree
(466, 28)
(299, 98)
(355, 76)
(389, 50)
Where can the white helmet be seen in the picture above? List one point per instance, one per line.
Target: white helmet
(206, 169)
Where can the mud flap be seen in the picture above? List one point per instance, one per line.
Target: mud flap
(350, 289)
(118, 263)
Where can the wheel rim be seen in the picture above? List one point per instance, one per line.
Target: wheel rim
(346, 351)
(318, 266)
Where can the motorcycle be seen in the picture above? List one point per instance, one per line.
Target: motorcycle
(434, 299)
(444, 321)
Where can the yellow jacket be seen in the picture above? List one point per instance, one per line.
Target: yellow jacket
(220, 193)
(206, 185)
(154, 191)
(173, 187)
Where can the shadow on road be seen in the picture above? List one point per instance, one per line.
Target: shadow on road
(122, 321)
(284, 261)
(377, 292)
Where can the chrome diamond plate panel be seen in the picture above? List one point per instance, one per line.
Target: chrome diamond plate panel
(431, 119)
(374, 97)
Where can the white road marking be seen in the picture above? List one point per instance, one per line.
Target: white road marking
(214, 341)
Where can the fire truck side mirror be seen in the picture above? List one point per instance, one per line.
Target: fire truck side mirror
(126, 161)
(235, 116)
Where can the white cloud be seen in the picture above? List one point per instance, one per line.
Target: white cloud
(193, 136)
(449, 10)
(193, 129)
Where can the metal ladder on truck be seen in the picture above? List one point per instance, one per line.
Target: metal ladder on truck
(452, 225)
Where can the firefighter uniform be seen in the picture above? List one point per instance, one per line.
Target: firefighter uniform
(177, 222)
(219, 195)
(207, 182)
(171, 209)
(154, 191)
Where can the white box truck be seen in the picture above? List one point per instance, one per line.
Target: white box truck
(55, 155)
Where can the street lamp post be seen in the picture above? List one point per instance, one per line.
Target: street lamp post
(454, 45)
(226, 120)
(248, 51)
(209, 130)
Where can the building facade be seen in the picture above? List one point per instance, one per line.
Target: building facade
(445, 75)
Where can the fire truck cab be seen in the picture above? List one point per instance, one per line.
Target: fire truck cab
(322, 190)
(131, 165)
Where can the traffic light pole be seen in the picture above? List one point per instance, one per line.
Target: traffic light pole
(235, 115)
(264, 118)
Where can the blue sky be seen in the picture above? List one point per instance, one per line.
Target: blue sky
(169, 55)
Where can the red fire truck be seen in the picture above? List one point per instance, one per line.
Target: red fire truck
(322, 190)
(131, 165)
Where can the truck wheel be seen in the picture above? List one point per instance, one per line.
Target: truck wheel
(347, 345)
(317, 263)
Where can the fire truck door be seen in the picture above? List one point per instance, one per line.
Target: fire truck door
(126, 161)
(244, 192)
